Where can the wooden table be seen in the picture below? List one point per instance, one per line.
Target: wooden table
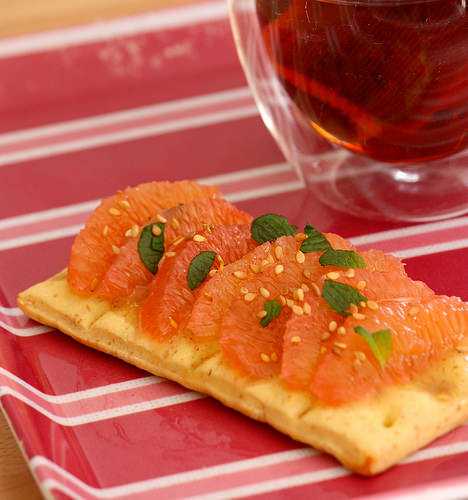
(27, 16)
(16, 482)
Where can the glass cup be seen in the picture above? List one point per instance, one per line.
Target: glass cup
(368, 99)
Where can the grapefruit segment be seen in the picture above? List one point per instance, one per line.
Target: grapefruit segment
(127, 272)
(422, 332)
(95, 247)
(302, 342)
(250, 348)
(384, 277)
(170, 300)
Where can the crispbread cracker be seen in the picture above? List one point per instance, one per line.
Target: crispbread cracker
(367, 436)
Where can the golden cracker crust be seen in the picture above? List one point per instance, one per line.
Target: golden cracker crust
(367, 436)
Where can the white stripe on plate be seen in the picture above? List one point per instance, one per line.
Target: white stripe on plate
(11, 311)
(178, 478)
(130, 134)
(123, 27)
(88, 206)
(91, 122)
(87, 418)
(324, 475)
(40, 237)
(431, 249)
(223, 179)
(404, 232)
(49, 485)
(30, 331)
(87, 393)
(238, 466)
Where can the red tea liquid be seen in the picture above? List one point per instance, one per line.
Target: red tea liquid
(385, 78)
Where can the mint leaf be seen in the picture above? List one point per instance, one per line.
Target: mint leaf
(269, 227)
(342, 258)
(199, 268)
(273, 310)
(380, 343)
(151, 247)
(340, 296)
(315, 242)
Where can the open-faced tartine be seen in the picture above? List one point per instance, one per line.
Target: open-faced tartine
(337, 348)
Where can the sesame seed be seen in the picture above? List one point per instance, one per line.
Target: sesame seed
(306, 273)
(129, 233)
(332, 326)
(371, 304)
(300, 237)
(300, 257)
(305, 287)
(135, 230)
(264, 292)
(221, 262)
(361, 285)
(115, 249)
(248, 297)
(255, 268)
(334, 275)
(279, 252)
(244, 290)
(172, 322)
(199, 238)
(114, 211)
(264, 357)
(353, 308)
(156, 230)
(296, 339)
(462, 349)
(307, 308)
(240, 274)
(350, 273)
(212, 273)
(160, 263)
(261, 314)
(279, 268)
(289, 302)
(105, 231)
(274, 357)
(341, 330)
(297, 310)
(325, 336)
(356, 364)
(265, 262)
(282, 299)
(208, 296)
(125, 204)
(323, 350)
(337, 351)
(299, 294)
(413, 311)
(363, 304)
(178, 241)
(359, 316)
(161, 218)
(316, 289)
(340, 345)
(170, 254)
(175, 223)
(360, 355)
